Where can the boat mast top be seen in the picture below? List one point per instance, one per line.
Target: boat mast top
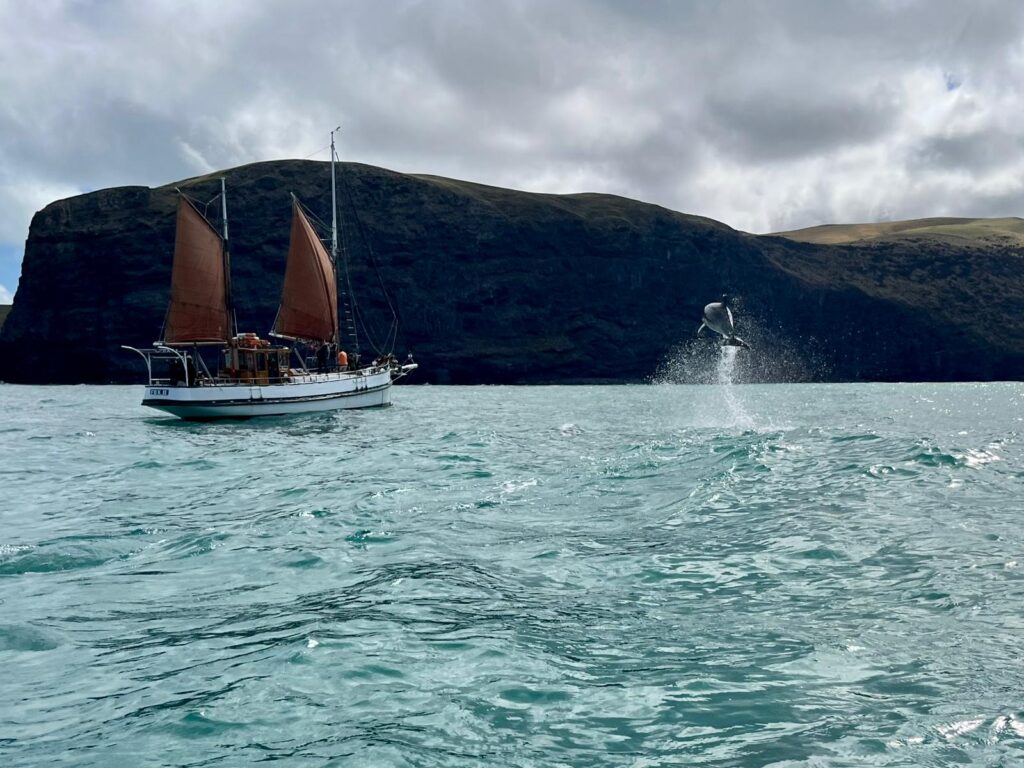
(334, 203)
(224, 208)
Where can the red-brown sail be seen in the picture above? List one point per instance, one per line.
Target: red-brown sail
(198, 312)
(309, 300)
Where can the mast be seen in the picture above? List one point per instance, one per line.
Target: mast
(224, 208)
(227, 260)
(334, 219)
(334, 203)
(347, 301)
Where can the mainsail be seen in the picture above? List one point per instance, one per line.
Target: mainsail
(198, 312)
(309, 300)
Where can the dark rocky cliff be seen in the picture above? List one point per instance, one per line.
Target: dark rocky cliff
(501, 286)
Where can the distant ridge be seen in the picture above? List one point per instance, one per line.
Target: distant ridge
(1006, 231)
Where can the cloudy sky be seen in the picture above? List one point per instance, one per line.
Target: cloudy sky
(764, 114)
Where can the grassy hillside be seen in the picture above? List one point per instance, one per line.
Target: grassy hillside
(1008, 231)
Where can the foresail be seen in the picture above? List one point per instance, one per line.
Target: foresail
(309, 300)
(198, 311)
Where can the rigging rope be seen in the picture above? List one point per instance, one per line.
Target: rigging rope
(197, 204)
(392, 335)
(317, 152)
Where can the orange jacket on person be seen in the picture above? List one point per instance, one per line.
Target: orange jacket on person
(342, 358)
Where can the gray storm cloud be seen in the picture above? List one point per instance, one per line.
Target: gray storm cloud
(765, 115)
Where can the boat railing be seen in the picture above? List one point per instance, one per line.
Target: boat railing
(295, 376)
(203, 378)
(161, 353)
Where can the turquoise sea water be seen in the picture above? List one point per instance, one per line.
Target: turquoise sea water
(812, 575)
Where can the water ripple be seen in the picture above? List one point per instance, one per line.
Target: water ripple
(620, 576)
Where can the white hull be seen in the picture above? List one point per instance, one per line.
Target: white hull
(370, 388)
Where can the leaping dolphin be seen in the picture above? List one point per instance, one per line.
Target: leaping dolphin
(718, 317)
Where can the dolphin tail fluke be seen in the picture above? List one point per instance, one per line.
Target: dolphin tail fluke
(701, 329)
(735, 341)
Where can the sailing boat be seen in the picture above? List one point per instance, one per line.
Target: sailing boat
(254, 376)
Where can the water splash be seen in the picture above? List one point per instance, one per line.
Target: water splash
(720, 401)
(725, 377)
(726, 366)
(774, 357)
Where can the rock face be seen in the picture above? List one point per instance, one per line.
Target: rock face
(498, 286)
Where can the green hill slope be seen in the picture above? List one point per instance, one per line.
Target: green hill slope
(1008, 231)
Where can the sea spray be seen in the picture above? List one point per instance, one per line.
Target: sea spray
(726, 369)
(738, 415)
(774, 357)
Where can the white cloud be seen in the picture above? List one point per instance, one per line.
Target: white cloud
(20, 197)
(6, 297)
(763, 115)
